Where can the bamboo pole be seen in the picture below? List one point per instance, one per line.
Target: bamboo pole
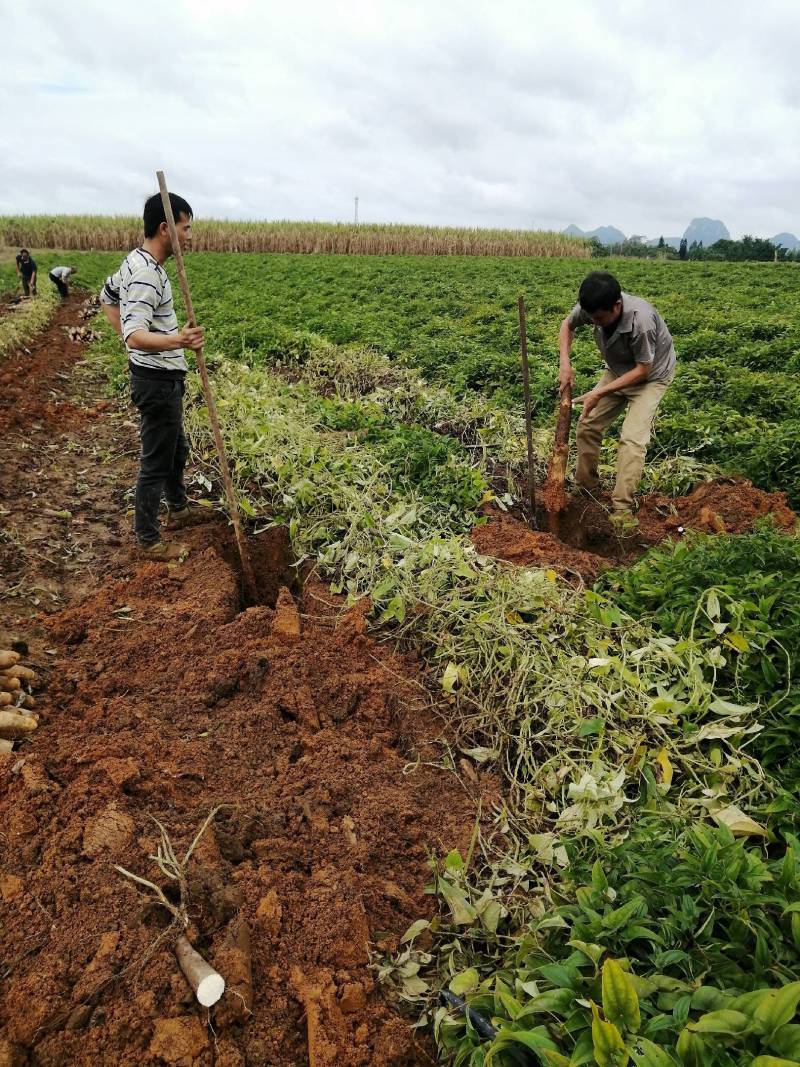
(523, 344)
(248, 577)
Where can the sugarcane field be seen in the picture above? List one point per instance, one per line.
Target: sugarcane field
(400, 609)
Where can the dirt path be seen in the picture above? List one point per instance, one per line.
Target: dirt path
(163, 699)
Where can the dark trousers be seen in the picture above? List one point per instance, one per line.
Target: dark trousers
(57, 282)
(28, 285)
(163, 455)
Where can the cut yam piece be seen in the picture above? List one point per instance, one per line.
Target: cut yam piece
(207, 984)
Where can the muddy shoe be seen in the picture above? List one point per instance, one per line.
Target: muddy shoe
(176, 520)
(624, 522)
(164, 551)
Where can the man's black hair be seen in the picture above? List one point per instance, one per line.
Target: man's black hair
(154, 212)
(23, 250)
(599, 291)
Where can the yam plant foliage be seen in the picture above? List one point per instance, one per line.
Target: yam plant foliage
(745, 590)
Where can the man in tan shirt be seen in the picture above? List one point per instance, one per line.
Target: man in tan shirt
(640, 363)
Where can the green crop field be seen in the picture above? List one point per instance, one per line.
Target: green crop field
(644, 855)
(734, 402)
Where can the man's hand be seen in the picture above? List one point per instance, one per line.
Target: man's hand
(589, 401)
(190, 337)
(566, 379)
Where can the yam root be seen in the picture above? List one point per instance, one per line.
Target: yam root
(5, 699)
(5, 748)
(14, 725)
(25, 674)
(8, 659)
(555, 496)
(10, 685)
(208, 986)
(235, 960)
(28, 702)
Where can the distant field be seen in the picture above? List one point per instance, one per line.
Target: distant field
(735, 401)
(104, 233)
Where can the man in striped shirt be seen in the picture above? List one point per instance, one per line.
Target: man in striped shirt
(137, 301)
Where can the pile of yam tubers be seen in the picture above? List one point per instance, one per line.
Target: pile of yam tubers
(17, 704)
(81, 333)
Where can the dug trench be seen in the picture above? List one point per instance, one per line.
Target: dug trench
(163, 700)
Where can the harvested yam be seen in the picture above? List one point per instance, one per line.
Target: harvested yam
(208, 986)
(25, 674)
(14, 725)
(5, 748)
(5, 699)
(235, 961)
(27, 702)
(10, 685)
(8, 659)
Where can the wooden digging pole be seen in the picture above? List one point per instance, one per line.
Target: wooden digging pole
(248, 577)
(526, 386)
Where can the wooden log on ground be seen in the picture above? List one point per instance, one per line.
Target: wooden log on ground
(555, 495)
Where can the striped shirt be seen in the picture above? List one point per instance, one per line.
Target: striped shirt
(143, 293)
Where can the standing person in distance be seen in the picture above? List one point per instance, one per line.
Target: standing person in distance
(137, 301)
(639, 356)
(26, 272)
(60, 276)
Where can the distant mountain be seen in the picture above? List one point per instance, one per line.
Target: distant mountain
(706, 231)
(788, 240)
(606, 235)
(671, 242)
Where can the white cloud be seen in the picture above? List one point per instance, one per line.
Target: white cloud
(632, 112)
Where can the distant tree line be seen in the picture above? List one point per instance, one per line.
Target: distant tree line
(747, 248)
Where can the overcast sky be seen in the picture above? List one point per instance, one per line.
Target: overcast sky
(636, 113)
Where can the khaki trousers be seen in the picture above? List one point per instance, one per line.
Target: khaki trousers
(642, 402)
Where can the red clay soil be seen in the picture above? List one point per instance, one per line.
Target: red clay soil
(506, 537)
(164, 700)
(588, 542)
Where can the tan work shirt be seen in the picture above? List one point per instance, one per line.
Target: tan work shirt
(641, 336)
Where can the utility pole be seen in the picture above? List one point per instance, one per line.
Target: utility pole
(356, 211)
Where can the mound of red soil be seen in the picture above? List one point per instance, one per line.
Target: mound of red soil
(588, 542)
(508, 538)
(165, 702)
(729, 505)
